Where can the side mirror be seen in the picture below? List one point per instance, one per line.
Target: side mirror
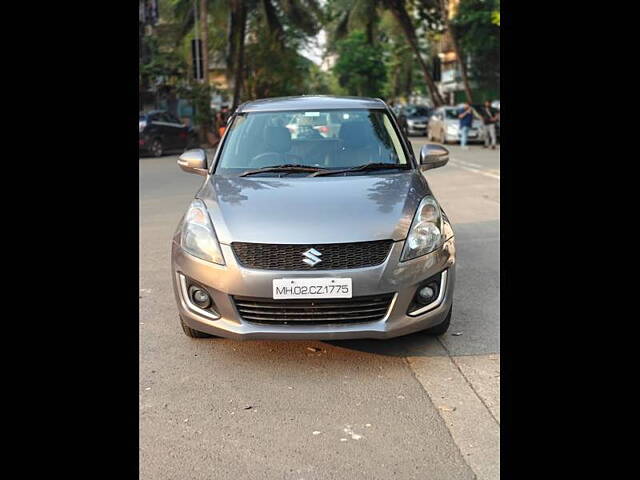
(194, 161)
(433, 156)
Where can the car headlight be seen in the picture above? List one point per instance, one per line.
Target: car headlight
(197, 235)
(425, 234)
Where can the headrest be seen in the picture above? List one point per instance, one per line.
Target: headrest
(355, 134)
(278, 139)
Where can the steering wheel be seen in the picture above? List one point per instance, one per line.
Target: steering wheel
(260, 157)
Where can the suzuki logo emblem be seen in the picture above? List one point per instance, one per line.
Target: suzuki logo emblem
(311, 257)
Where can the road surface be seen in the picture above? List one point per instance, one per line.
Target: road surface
(414, 407)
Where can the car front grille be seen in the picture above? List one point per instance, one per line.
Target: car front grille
(333, 256)
(314, 312)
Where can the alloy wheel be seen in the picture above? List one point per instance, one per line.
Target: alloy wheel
(156, 148)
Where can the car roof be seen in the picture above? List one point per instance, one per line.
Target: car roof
(310, 102)
(151, 112)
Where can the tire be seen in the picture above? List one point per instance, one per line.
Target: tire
(156, 148)
(191, 333)
(443, 327)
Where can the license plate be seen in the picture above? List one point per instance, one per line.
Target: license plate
(290, 288)
(473, 134)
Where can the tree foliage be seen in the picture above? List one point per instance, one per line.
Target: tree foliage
(383, 48)
(479, 37)
(273, 75)
(360, 69)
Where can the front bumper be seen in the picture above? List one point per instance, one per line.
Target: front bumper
(417, 130)
(475, 135)
(402, 279)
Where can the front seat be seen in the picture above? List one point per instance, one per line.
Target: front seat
(276, 139)
(357, 145)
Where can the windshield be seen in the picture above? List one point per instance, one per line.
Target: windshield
(330, 139)
(452, 114)
(417, 112)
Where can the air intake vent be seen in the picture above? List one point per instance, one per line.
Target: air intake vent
(308, 312)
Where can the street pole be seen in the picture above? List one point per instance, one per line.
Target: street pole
(204, 28)
(195, 25)
(205, 40)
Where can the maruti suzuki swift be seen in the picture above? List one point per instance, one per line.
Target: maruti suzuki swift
(314, 221)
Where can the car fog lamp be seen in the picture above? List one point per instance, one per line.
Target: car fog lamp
(200, 297)
(427, 294)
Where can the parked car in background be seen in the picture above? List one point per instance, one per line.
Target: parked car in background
(413, 119)
(159, 132)
(444, 126)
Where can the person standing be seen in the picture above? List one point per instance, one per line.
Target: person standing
(466, 120)
(213, 135)
(222, 120)
(489, 119)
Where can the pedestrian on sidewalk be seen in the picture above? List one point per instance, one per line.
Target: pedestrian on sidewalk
(221, 120)
(213, 136)
(466, 120)
(489, 119)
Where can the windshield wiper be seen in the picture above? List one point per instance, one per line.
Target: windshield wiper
(361, 168)
(289, 167)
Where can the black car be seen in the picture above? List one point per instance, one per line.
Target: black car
(413, 119)
(160, 131)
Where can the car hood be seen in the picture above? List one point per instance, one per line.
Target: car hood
(313, 210)
(417, 119)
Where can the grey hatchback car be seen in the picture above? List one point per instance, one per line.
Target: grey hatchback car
(330, 236)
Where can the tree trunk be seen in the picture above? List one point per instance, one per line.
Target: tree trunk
(401, 15)
(454, 42)
(239, 13)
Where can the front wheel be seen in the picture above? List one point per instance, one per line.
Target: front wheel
(156, 148)
(191, 333)
(443, 327)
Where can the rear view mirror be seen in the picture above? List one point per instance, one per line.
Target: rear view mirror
(433, 156)
(194, 161)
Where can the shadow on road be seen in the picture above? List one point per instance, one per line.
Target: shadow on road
(416, 344)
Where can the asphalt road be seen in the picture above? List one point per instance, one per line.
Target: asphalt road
(414, 407)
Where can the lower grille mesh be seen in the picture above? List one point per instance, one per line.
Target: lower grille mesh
(313, 312)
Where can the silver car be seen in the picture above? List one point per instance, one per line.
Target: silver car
(297, 237)
(444, 126)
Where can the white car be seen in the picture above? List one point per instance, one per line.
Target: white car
(444, 126)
